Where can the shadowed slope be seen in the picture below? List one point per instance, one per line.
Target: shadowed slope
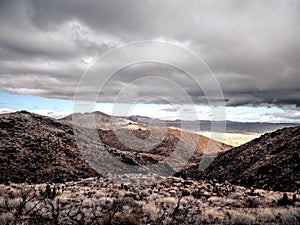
(269, 162)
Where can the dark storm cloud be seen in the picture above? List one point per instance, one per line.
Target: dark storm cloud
(252, 47)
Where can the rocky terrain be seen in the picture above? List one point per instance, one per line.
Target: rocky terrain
(37, 149)
(270, 162)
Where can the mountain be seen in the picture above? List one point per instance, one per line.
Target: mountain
(169, 140)
(231, 126)
(270, 162)
(38, 149)
(133, 143)
(102, 120)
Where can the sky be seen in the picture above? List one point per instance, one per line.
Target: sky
(52, 52)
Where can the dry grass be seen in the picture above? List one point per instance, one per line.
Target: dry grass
(100, 201)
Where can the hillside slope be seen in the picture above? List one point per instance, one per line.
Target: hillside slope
(269, 162)
(36, 149)
(170, 141)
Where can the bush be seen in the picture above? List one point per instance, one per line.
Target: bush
(284, 201)
(185, 192)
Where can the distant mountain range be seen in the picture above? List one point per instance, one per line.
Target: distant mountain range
(231, 126)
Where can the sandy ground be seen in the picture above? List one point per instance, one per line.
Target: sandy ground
(233, 139)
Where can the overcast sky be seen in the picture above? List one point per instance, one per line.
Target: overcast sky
(252, 47)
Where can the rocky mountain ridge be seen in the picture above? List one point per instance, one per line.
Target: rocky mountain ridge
(270, 162)
(38, 149)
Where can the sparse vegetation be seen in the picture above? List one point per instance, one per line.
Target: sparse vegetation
(98, 201)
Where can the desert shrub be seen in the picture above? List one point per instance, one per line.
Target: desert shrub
(233, 189)
(284, 201)
(124, 187)
(25, 196)
(6, 218)
(223, 190)
(252, 202)
(48, 193)
(185, 192)
(292, 218)
(212, 216)
(127, 220)
(53, 209)
(132, 195)
(196, 194)
(242, 219)
(151, 210)
(295, 199)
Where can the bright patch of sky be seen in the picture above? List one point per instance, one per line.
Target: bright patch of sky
(59, 108)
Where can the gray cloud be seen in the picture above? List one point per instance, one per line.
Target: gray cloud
(289, 115)
(169, 109)
(252, 47)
